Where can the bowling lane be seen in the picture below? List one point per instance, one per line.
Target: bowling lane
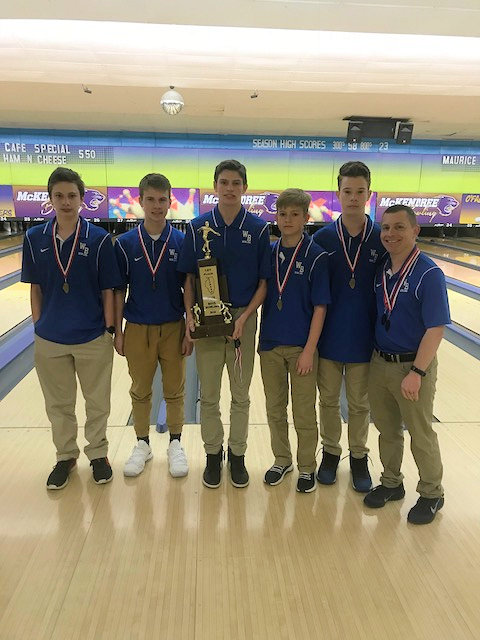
(454, 254)
(457, 398)
(456, 242)
(10, 263)
(11, 241)
(464, 274)
(464, 310)
(15, 305)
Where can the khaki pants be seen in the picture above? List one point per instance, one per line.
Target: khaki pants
(56, 366)
(329, 386)
(277, 365)
(212, 355)
(390, 409)
(145, 345)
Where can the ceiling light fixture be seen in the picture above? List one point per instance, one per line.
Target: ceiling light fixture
(172, 102)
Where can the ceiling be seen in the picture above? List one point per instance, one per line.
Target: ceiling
(309, 74)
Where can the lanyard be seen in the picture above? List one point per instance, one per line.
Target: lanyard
(65, 272)
(281, 285)
(351, 264)
(389, 301)
(153, 269)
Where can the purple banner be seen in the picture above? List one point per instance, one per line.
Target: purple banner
(6, 202)
(263, 204)
(123, 203)
(430, 209)
(470, 209)
(34, 203)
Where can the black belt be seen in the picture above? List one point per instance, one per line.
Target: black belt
(397, 357)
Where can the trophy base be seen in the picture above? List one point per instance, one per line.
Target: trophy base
(215, 329)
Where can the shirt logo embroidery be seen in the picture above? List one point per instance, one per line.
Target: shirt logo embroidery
(373, 255)
(404, 288)
(43, 250)
(299, 268)
(139, 258)
(83, 249)
(172, 255)
(246, 237)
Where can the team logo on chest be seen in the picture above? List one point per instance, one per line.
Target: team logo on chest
(373, 255)
(246, 237)
(299, 268)
(172, 255)
(83, 249)
(404, 288)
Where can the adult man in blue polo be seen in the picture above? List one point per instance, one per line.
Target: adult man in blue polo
(412, 309)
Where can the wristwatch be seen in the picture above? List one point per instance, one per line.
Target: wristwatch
(419, 371)
(111, 330)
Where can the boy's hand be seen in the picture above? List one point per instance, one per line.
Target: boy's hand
(238, 327)
(187, 346)
(118, 341)
(189, 327)
(411, 386)
(304, 363)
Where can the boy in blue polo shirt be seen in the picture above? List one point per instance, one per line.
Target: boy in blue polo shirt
(155, 329)
(412, 309)
(72, 269)
(354, 248)
(240, 241)
(292, 320)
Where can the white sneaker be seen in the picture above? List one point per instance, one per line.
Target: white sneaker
(177, 460)
(136, 463)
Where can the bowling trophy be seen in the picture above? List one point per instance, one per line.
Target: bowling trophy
(211, 311)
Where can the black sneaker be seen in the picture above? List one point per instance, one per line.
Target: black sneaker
(425, 510)
(381, 495)
(306, 483)
(361, 479)
(212, 475)
(327, 471)
(276, 474)
(101, 469)
(59, 476)
(238, 473)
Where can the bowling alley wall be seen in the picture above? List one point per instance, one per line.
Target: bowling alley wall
(440, 180)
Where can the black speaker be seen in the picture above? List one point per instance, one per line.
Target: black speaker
(355, 131)
(404, 133)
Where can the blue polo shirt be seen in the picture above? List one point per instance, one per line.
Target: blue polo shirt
(307, 286)
(242, 249)
(144, 304)
(75, 317)
(347, 335)
(422, 303)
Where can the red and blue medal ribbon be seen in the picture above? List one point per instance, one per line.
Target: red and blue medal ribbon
(341, 237)
(65, 271)
(390, 300)
(281, 285)
(153, 269)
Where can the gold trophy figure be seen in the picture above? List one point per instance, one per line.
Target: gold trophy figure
(206, 229)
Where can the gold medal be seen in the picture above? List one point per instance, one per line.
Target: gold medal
(279, 304)
(351, 282)
(66, 287)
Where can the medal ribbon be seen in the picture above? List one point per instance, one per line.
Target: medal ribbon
(72, 252)
(390, 300)
(281, 285)
(341, 237)
(153, 269)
